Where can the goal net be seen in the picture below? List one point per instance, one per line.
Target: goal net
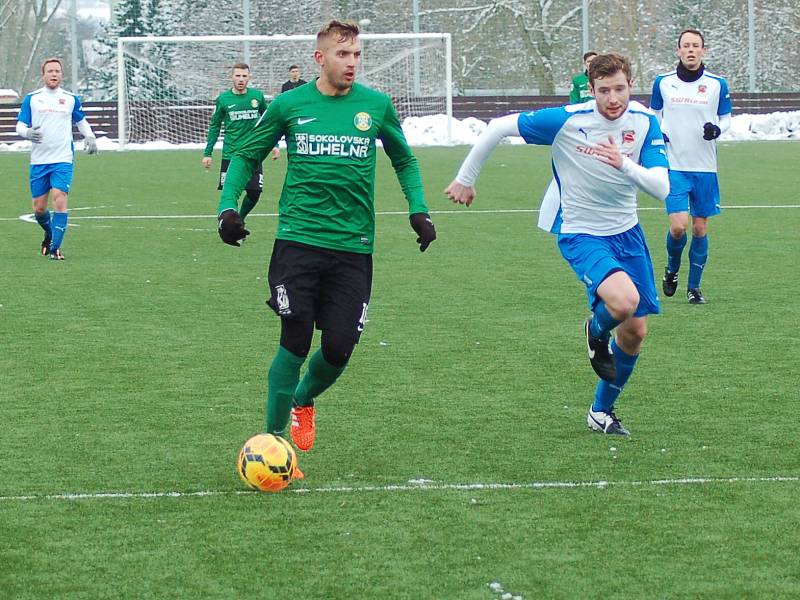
(167, 85)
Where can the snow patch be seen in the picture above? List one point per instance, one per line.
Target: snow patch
(432, 131)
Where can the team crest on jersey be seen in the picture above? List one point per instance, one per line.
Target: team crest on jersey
(701, 89)
(254, 103)
(628, 137)
(362, 121)
(62, 101)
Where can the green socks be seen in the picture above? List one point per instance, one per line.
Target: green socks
(284, 373)
(319, 376)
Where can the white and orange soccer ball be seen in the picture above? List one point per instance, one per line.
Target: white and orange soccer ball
(267, 463)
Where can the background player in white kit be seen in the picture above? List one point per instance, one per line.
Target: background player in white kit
(694, 108)
(45, 118)
(602, 151)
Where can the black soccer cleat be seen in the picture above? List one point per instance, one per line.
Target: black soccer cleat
(600, 355)
(695, 296)
(46, 245)
(56, 255)
(669, 283)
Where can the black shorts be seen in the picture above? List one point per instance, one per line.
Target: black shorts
(329, 287)
(256, 183)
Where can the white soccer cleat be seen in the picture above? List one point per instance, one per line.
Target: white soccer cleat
(605, 422)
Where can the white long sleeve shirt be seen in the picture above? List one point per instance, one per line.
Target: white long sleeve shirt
(54, 111)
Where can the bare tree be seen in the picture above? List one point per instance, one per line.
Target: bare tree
(25, 25)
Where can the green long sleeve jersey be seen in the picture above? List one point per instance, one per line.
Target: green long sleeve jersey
(328, 194)
(236, 113)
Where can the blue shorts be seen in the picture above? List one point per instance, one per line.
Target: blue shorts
(700, 191)
(46, 177)
(594, 257)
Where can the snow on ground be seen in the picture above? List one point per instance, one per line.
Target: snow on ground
(432, 131)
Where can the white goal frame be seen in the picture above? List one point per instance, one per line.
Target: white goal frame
(244, 39)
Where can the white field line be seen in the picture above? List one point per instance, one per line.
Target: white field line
(464, 211)
(422, 485)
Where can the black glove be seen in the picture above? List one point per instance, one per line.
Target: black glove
(710, 131)
(422, 224)
(231, 228)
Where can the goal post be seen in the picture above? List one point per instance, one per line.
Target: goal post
(166, 85)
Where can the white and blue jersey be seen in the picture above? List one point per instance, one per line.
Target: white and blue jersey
(592, 197)
(685, 106)
(54, 111)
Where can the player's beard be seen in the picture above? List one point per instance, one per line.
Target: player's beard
(342, 83)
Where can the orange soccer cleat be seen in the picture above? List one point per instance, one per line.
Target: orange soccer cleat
(302, 428)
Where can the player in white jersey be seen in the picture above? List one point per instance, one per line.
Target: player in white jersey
(46, 118)
(694, 108)
(602, 151)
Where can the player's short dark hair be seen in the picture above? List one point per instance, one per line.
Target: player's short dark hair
(606, 65)
(52, 59)
(694, 31)
(588, 54)
(241, 66)
(341, 30)
(293, 67)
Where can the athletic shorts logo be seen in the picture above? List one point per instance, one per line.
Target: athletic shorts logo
(363, 319)
(362, 121)
(254, 103)
(283, 300)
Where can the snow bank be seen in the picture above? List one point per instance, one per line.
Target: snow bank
(432, 131)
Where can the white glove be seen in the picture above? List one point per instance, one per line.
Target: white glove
(90, 145)
(34, 134)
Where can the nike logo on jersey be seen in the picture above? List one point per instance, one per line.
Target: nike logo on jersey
(231, 105)
(303, 121)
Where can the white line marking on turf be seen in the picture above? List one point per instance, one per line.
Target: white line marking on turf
(420, 485)
(465, 211)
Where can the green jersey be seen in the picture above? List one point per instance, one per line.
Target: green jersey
(579, 92)
(236, 113)
(328, 194)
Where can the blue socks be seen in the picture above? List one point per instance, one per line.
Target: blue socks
(44, 222)
(607, 393)
(698, 255)
(674, 251)
(59, 228)
(602, 321)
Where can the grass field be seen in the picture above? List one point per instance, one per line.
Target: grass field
(452, 459)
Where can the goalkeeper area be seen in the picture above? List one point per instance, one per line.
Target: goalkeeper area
(166, 86)
(452, 458)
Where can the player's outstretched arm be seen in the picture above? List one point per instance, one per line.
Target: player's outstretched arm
(462, 189)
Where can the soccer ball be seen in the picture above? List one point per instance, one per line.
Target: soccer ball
(266, 462)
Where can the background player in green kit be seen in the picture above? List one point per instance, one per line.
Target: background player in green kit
(320, 272)
(237, 109)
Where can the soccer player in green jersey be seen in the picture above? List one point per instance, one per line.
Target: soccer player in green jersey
(579, 91)
(320, 272)
(237, 109)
